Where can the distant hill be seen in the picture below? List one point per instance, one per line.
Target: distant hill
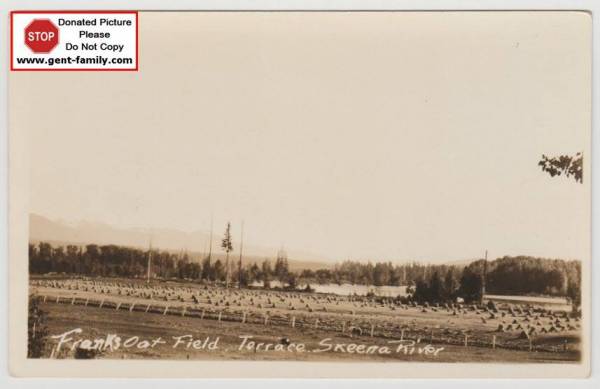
(195, 243)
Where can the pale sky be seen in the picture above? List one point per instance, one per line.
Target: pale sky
(364, 136)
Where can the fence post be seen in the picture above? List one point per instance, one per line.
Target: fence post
(57, 299)
(565, 345)
(118, 306)
(293, 321)
(266, 319)
(316, 323)
(131, 307)
(183, 311)
(494, 342)
(343, 327)
(466, 340)
(166, 309)
(45, 297)
(73, 301)
(372, 329)
(401, 335)
(87, 300)
(202, 315)
(431, 339)
(530, 344)
(147, 308)
(243, 317)
(220, 314)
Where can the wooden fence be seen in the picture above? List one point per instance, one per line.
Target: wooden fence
(356, 327)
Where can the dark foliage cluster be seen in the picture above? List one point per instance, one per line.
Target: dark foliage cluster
(119, 261)
(570, 166)
(505, 276)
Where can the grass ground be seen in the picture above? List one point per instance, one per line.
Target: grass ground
(99, 323)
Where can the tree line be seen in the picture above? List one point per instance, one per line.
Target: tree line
(120, 261)
(434, 283)
(521, 275)
(378, 274)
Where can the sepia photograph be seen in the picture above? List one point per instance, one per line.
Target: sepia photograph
(403, 189)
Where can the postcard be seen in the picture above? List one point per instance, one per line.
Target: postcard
(300, 194)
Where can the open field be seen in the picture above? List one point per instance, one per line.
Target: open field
(169, 310)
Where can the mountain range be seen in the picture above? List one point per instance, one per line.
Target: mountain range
(195, 243)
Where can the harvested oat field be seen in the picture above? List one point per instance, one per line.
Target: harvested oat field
(169, 320)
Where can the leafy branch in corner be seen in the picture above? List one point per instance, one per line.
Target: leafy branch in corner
(570, 166)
